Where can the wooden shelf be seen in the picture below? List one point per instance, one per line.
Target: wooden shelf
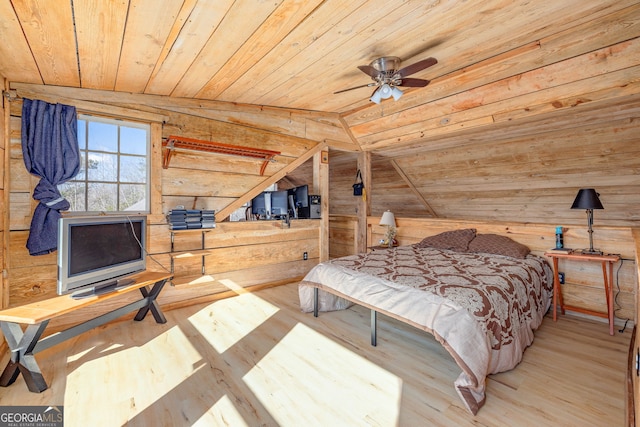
(178, 142)
(189, 254)
(201, 252)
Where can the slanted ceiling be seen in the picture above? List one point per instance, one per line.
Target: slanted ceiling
(529, 101)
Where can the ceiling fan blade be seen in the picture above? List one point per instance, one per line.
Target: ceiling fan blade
(414, 68)
(408, 82)
(369, 70)
(356, 87)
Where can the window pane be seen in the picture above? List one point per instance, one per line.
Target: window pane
(102, 197)
(132, 197)
(82, 134)
(133, 169)
(74, 193)
(133, 140)
(82, 175)
(103, 137)
(103, 167)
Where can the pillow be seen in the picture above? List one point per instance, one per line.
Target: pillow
(498, 245)
(455, 240)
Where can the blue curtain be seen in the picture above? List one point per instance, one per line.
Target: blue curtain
(50, 151)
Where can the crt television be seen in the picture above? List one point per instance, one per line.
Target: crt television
(97, 254)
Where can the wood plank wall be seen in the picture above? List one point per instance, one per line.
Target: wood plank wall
(4, 222)
(532, 179)
(242, 254)
(535, 178)
(4, 154)
(633, 392)
(343, 230)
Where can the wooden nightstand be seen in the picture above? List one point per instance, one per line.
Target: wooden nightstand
(605, 260)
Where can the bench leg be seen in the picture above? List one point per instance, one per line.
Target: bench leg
(22, 359)
(152, 304)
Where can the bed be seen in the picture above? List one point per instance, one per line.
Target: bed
(481, 295)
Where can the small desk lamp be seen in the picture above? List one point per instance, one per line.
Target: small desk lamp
(389, 220)
(587, 198)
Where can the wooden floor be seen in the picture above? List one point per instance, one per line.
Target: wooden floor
(256, 360)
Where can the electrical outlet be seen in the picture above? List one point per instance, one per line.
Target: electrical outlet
(561, 277)
(305, 256)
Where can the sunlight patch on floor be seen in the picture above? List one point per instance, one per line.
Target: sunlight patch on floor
(220, 324)
(222, 413)
(296, 383)
(148, 378)
(202, 280)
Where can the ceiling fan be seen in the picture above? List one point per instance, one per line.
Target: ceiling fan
(387, 76)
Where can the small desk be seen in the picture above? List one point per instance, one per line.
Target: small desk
(36, 316)
(605, 260)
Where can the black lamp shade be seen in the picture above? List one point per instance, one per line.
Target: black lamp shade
(587, 198)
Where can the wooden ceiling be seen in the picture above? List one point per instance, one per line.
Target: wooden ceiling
(530, 99)
(503, 67)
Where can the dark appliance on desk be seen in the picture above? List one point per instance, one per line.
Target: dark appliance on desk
(302, 204)
(315, 208)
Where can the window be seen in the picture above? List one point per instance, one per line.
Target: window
(114, 170)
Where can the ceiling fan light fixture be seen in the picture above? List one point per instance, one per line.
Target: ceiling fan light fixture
(376, 96)
(387, 76)
(385, 91)
(396, 93)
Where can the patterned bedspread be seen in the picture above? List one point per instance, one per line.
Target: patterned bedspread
(482, 308)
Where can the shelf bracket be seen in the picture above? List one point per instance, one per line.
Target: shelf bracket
(179, 142)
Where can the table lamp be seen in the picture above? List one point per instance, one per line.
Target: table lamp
(389, 220)
(587, 198)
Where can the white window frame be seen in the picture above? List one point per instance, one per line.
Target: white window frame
(85, 157)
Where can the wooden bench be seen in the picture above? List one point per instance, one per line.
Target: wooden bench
(36, 316)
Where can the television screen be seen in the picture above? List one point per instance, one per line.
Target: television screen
(99, 252)
(279, 203)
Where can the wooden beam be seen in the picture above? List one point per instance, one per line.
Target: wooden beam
(5, 193)
(314, 125)
(167, 102)
(43, 93)
(363, 210)
(321, 187)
